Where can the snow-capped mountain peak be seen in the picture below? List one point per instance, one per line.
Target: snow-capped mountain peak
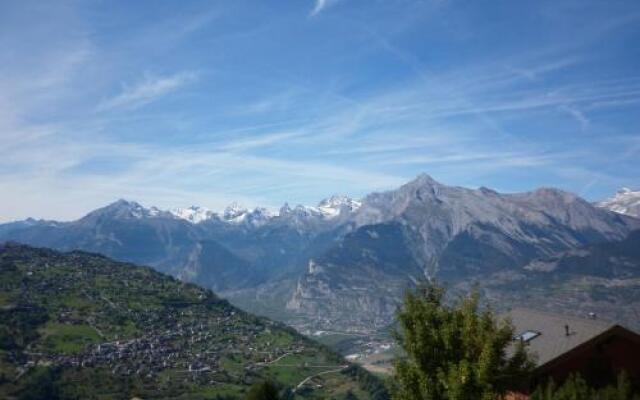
(124, 209)
(258, 216)
(335, 205)
(234, 211)
(233, 214)
(237, 214)
(625, 201)
(328, 208)
(193, 214)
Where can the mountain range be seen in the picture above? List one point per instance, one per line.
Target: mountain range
(344, 264)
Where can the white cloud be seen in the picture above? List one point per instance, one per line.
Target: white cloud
(260, 141)
(578, 115)
(298, 144)
(321, 5)
(147, 91)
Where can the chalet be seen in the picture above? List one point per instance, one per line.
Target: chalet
(595, 348)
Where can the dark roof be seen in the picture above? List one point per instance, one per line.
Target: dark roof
(553, 340)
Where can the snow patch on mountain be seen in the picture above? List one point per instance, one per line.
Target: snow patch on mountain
(193, 214)
(625, 201)
(336, 205)
(236, 214)
(327, 209)
(233, 214)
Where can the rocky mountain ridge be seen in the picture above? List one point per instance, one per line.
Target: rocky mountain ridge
(343, 264)
(450, 233)
(235, 213)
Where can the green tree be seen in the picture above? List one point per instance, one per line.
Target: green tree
(455, 350)
(263, 391)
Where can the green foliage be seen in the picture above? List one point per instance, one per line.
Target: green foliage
(40, 383)
(263, 391)
(456, 351)
(69, 339)
(576, 388)
(368, 382)
(19, 324)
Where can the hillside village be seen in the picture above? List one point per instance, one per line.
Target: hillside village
(131, 324)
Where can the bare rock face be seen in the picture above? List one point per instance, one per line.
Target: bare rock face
(347, 303)
(428, 229)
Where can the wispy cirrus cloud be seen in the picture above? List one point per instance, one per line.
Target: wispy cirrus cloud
(260, 141)
(147, 91)
(321, 5)
(577, 114)
(299, 109)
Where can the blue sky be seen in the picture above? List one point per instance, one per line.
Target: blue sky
(262, 102)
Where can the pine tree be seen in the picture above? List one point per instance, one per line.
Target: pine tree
(455, 351)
